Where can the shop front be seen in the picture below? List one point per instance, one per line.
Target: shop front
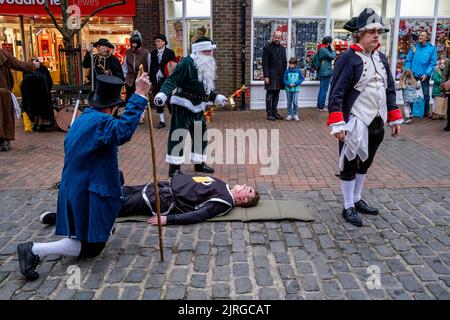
(305, 23)
(33, 34)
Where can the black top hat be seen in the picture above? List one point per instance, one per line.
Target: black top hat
(162, 37)
(367, 19)
(104, 42)
(107, 92)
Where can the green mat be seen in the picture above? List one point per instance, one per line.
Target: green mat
(265, 210)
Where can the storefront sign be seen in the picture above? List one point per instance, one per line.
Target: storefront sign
(36, 7)
(8, 47)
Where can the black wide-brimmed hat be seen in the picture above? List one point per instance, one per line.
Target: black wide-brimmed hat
(162, 37)
(104, 42)
(107, 92)
(368, 19)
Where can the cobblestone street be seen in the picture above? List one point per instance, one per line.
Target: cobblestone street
(409, 242)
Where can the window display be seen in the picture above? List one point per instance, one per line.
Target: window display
(408, 36)
(175, 36)
(262, 35)
(442, 41)
(197, 29)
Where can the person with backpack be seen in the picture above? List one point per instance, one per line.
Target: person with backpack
(322, 63)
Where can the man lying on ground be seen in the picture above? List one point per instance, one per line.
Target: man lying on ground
(185, 199)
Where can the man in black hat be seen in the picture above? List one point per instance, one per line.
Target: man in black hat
(194, 78)
(158, 72)
(90, 197)
(362, 99)
(104, 61)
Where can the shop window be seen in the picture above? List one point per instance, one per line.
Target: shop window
(417, 8)
(408, 36)
(359, 5)
(444, 8)
(176, 36)
(341, 9)
(270, 7)
(442, 41)
(306, 34)
(197, 29)
(262, 34)
(174, 9)
(198, 8)
(309, 8)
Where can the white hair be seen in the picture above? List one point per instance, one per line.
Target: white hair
(206, 69)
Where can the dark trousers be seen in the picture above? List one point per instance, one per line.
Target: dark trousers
(356, 166)
(448, 110)
(272, 97)
(130, 91)
(91, 249)
(134, 203)
(426, 94)
(182, 118)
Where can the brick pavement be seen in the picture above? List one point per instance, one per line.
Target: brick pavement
(326, 259)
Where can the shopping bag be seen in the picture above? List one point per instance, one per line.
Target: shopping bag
(418, 108)
(27, 125)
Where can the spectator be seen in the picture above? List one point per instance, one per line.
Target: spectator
(292, 79)
(421, 60)
(9, 106)
(326, 55)
(409, 86)
(445, 78)
(274, 65)
(438, 96)
(160, 57)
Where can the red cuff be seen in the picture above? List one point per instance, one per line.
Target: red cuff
(335, 117)
(394, 115)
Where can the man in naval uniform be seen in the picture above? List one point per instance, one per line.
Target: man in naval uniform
(193, 79)
(362, 99)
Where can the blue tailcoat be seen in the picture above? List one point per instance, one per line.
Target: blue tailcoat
(89, 197)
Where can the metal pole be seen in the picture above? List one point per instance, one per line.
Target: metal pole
(244, 50)
(395, 38)
(22, 35)
(92, 67)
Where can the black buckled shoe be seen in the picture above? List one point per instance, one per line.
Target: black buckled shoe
(278, 116)
(28, 261)
(174, 169)
(271, 118)
(350, 215)
(161, 125)
(202, 167)
(48, 217)
(362, 207)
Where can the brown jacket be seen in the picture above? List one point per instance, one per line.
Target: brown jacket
(445, 75)
(133, 61)
(8, 62)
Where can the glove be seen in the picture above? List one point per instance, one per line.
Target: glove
(160, 99)
(221, 100)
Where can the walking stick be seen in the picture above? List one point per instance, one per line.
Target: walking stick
(77, 104)
(155, 178)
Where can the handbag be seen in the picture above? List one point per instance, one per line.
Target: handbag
(418, 108)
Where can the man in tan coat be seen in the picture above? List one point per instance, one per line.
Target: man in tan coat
(7, 113)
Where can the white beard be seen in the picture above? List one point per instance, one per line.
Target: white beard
(206, 69)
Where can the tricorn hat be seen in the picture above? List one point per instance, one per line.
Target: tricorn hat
(107, 92)
(367, 20)
(203, 44)
(104, 42)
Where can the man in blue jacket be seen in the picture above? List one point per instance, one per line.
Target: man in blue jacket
(89, 198)
(421, 60)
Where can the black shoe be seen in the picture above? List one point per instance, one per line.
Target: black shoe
(202, 167)
(28, 261)
(161, 125)
(447, 128)
(278, 116)
(362, 207)
(6, 145)
(271, 118)
(173, 169)
(48, 218)
(350, 215)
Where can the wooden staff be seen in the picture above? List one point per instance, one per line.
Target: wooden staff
(155, 178)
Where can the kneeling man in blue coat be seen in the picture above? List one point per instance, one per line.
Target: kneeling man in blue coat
(89, 198)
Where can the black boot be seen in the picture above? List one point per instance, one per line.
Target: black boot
(350, 215)
(6, 145)
(28, 261)
(362, 207)
(202, 167)
(173, 168)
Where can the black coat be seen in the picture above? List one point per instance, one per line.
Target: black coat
(168, 55)
(104, 64)
(274, 65)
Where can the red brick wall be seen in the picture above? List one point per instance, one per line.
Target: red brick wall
(147, 20)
